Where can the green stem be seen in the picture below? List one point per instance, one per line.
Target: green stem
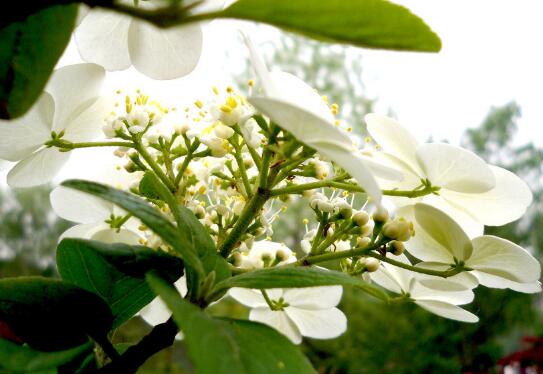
(267, 298)
(438, 273)
(153, 165)
(241, 166)
(62, 144)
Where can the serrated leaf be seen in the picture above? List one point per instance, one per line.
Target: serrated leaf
(18, 358)
(29, 51)
(227, 346)
(52, 315)
(295, 277)
(364, 23)
(115, 272)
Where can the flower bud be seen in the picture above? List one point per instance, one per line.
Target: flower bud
(398, 229)
(360, 218)
(181, 129)
(199, 212)
(396, 248)
(380, 215)
(363, 242)
(371, 264)
(222, 131)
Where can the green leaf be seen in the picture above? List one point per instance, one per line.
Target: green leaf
(150, 216)
(292, 277)
(29, 51)
(364, 23)
(14, 357)
(194, 233)
(115, 272)
(230, 346)
(147, 187)
(51, 315)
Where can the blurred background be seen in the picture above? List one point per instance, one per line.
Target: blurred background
(482, 92)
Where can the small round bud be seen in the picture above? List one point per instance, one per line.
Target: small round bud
(396, 248)
(380, 215)
(366, 230)
(391, 230)
(325, 206)
(345, 213)
(282, 255)
(361, 218)
(371, 264)
(199, 212)
(363, 242)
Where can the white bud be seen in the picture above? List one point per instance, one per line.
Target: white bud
(380, 214)
(371, 264)
(360, 218)
(222, 131)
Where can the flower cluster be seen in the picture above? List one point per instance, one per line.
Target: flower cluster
(407, 217)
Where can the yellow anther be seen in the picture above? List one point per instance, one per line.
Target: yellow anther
(231, 102)
(251, 83)
(325, 98)
(226, 108)
(142, 241)
(173, 108)
(305, 221)
(284, 208)
(118, 92)
(116, 104)
(337, 122)
(367, 139)
(202, 190)
(142, 228)
(377, 147)
(118, 167)
(229, 89)
(335, 106)
(199, 104)
(215, 90)
(202, 113)
(349, 129)
(138, 91)
(268, 238)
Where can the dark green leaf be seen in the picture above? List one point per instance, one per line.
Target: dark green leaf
(230, 346)
(29, 50)
(365, 23)
(150, 216)
(147, 188)
(290, 277)
(51, 315)
(115, 272)
(14, 357)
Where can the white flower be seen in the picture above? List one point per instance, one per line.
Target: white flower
(495, 262)
(472, 192)
(71, 104)
(156, 312)
(91, 213)
(117, 41)
(297, 108)
(301, 312)
(438, 296)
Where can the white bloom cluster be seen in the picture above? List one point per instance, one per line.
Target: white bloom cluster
(236, 162)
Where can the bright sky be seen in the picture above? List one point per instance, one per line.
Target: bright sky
(492, 53)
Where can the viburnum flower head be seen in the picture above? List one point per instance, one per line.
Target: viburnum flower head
(117, 41)
(297, 312)
(469, 190)
(491, 261)
(438, 296)
(71, 106)
(297, 108)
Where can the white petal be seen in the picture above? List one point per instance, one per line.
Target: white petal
(471, 226)
(164, 53)
(74, 88)
(314, 297)
(386, 280)
(305, 125)
(465, 278)
(504, 259)
(354, 164)
(259, 66)
(102, 38)
(506, 202)
(443, 230)
(83, 231)
(448, 311)
(279, 321)
(22, 136)
(38, 168)
(394, 278)
(381, 170)
(318, 324)
(394, 139)
(155, 313)
(492, 281)
(452, 296)
(113, 236)
(88, 124)
(249, 297)
(422, 245)
(79, 207)
(455, 168)
(291, 89)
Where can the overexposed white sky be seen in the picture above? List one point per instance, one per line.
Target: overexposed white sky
(492, 54)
